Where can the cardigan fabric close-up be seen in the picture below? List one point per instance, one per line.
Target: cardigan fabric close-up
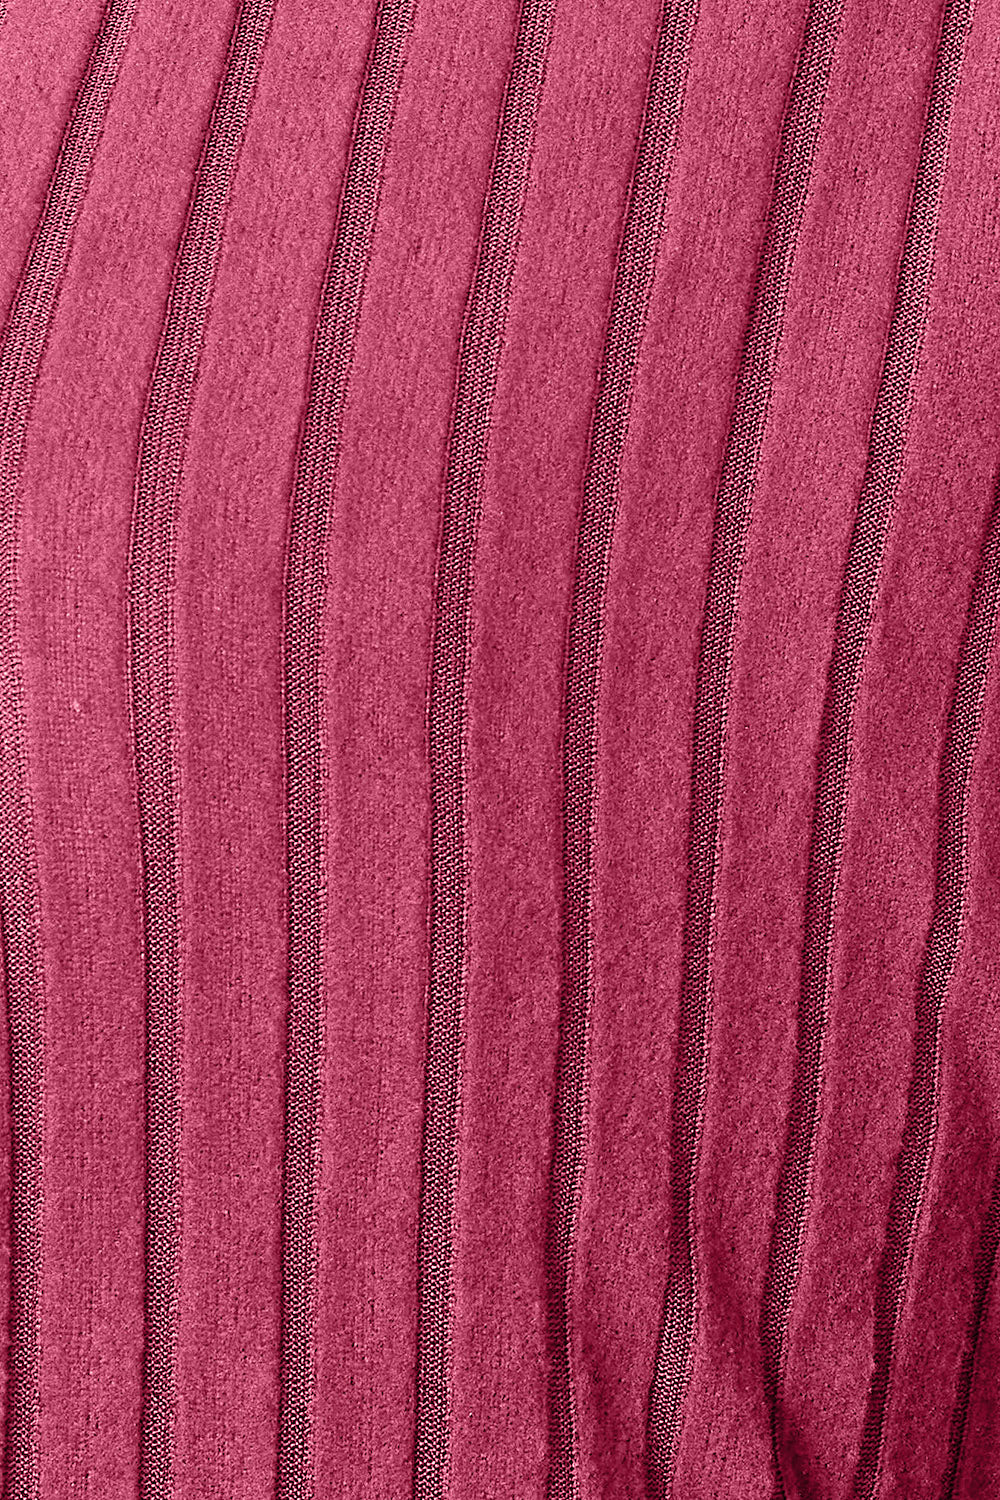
(500, 749)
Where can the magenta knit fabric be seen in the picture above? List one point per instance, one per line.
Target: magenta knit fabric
(500, 749)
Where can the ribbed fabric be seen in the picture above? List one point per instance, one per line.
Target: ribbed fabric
(305, 740)
(500, 749)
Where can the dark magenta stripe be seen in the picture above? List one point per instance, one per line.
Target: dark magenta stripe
(28, 322)
(951, 885)
(734, 505)
(984, 1276)
(162, 448)
(875, 505)
(634, 271)
(475, 382)
(305, 594)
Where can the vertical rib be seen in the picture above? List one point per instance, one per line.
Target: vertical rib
(162, 447)
(305, 594)
(857, 603)
(983, 1278)
(734, 503)
(920, 1129)
(634, 271)
(28, 323)
(482, 338)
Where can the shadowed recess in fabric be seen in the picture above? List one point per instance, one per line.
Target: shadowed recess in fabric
(733, 510)
(634, 271)
(984, 1276)
(29, 320)
(951, 886)
(162, 447)
(483, 330)
(306, 565)
(886, 447)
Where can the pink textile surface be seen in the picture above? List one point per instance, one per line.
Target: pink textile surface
(500, 749)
